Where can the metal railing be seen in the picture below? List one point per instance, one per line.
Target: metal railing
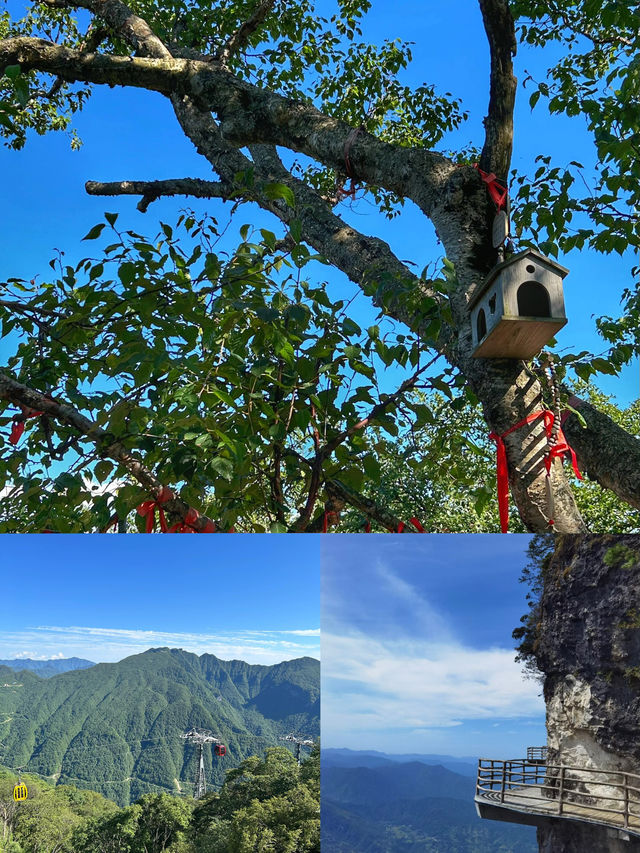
(610, 797)
(537, 753)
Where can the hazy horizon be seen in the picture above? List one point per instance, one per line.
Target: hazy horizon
(106, 598)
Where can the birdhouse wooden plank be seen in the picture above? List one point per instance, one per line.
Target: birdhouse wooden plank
(519, 307)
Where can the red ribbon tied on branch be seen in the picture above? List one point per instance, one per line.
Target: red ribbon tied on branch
(187, 525)
(17, 427)
(560, 448)
(148, 509)
(415, 523)
(189, 522)
(325, 521)
(496, 190)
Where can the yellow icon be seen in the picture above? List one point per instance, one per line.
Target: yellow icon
(20, 792)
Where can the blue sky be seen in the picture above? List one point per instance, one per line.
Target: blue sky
(132, 134)
(255, 598)
(417, 654)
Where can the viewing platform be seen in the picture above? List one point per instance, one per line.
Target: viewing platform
(531, 791)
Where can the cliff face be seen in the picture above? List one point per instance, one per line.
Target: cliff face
(588, 646)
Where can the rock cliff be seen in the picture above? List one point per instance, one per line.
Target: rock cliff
(588, 647)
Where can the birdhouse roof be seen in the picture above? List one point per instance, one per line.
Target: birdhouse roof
(554, 266)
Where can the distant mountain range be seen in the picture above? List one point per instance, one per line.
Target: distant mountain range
(47, 668)
(378, 803)
(466, 765)
(115, 727)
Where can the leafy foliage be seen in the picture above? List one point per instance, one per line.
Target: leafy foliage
(116, 728)
(267, 804)
(443, 469)
(597, 78)
(281, 815)
(226, 371)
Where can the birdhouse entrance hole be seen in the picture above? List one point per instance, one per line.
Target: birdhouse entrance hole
(533, 300)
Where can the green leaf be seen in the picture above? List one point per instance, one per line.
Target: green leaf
(276, 191)
(95, 232)
(102, 470)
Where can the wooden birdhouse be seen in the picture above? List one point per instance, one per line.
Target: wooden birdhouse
(519, 308)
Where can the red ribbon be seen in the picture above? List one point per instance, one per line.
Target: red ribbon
(17, 427)
(496, 190)
(416, 524)
(325, 521)
(148, 509)
(186, 526)
(560, 448)
(343, 192)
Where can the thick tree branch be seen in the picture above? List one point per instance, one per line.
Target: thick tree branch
(500, 30)
(247, 115)
(15, 392)
(365, 260)
(605, 451)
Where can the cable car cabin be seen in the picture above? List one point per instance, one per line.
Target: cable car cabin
(220, 750)
(519, 308)
(20, 792)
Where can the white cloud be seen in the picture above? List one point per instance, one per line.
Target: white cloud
(111, 644)
(423, 618)
(374, 686)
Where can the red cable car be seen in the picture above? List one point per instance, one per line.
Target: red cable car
(220, 749)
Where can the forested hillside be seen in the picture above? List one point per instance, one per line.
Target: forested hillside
(115, 728)
(266, 803)
(394, 807)
(47, 668)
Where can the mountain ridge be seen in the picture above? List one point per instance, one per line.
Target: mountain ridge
(47, 668)
(115, 727)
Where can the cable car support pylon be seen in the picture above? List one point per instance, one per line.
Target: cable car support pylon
(199, 737)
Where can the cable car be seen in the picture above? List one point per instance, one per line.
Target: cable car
(20, 792)
(220, 750)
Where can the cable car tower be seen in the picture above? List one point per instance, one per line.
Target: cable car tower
(199, 737)
(299, 742)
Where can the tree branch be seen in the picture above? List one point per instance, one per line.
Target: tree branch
(605, 451)
(241, 37)
(247, 115)
(375, 412)
(152, 190)
(500, 30)
(366, 506)
(22, 395)
(120, 18)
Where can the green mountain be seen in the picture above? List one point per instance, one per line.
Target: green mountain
(409, 807)
(47, 668)
(115, 728)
